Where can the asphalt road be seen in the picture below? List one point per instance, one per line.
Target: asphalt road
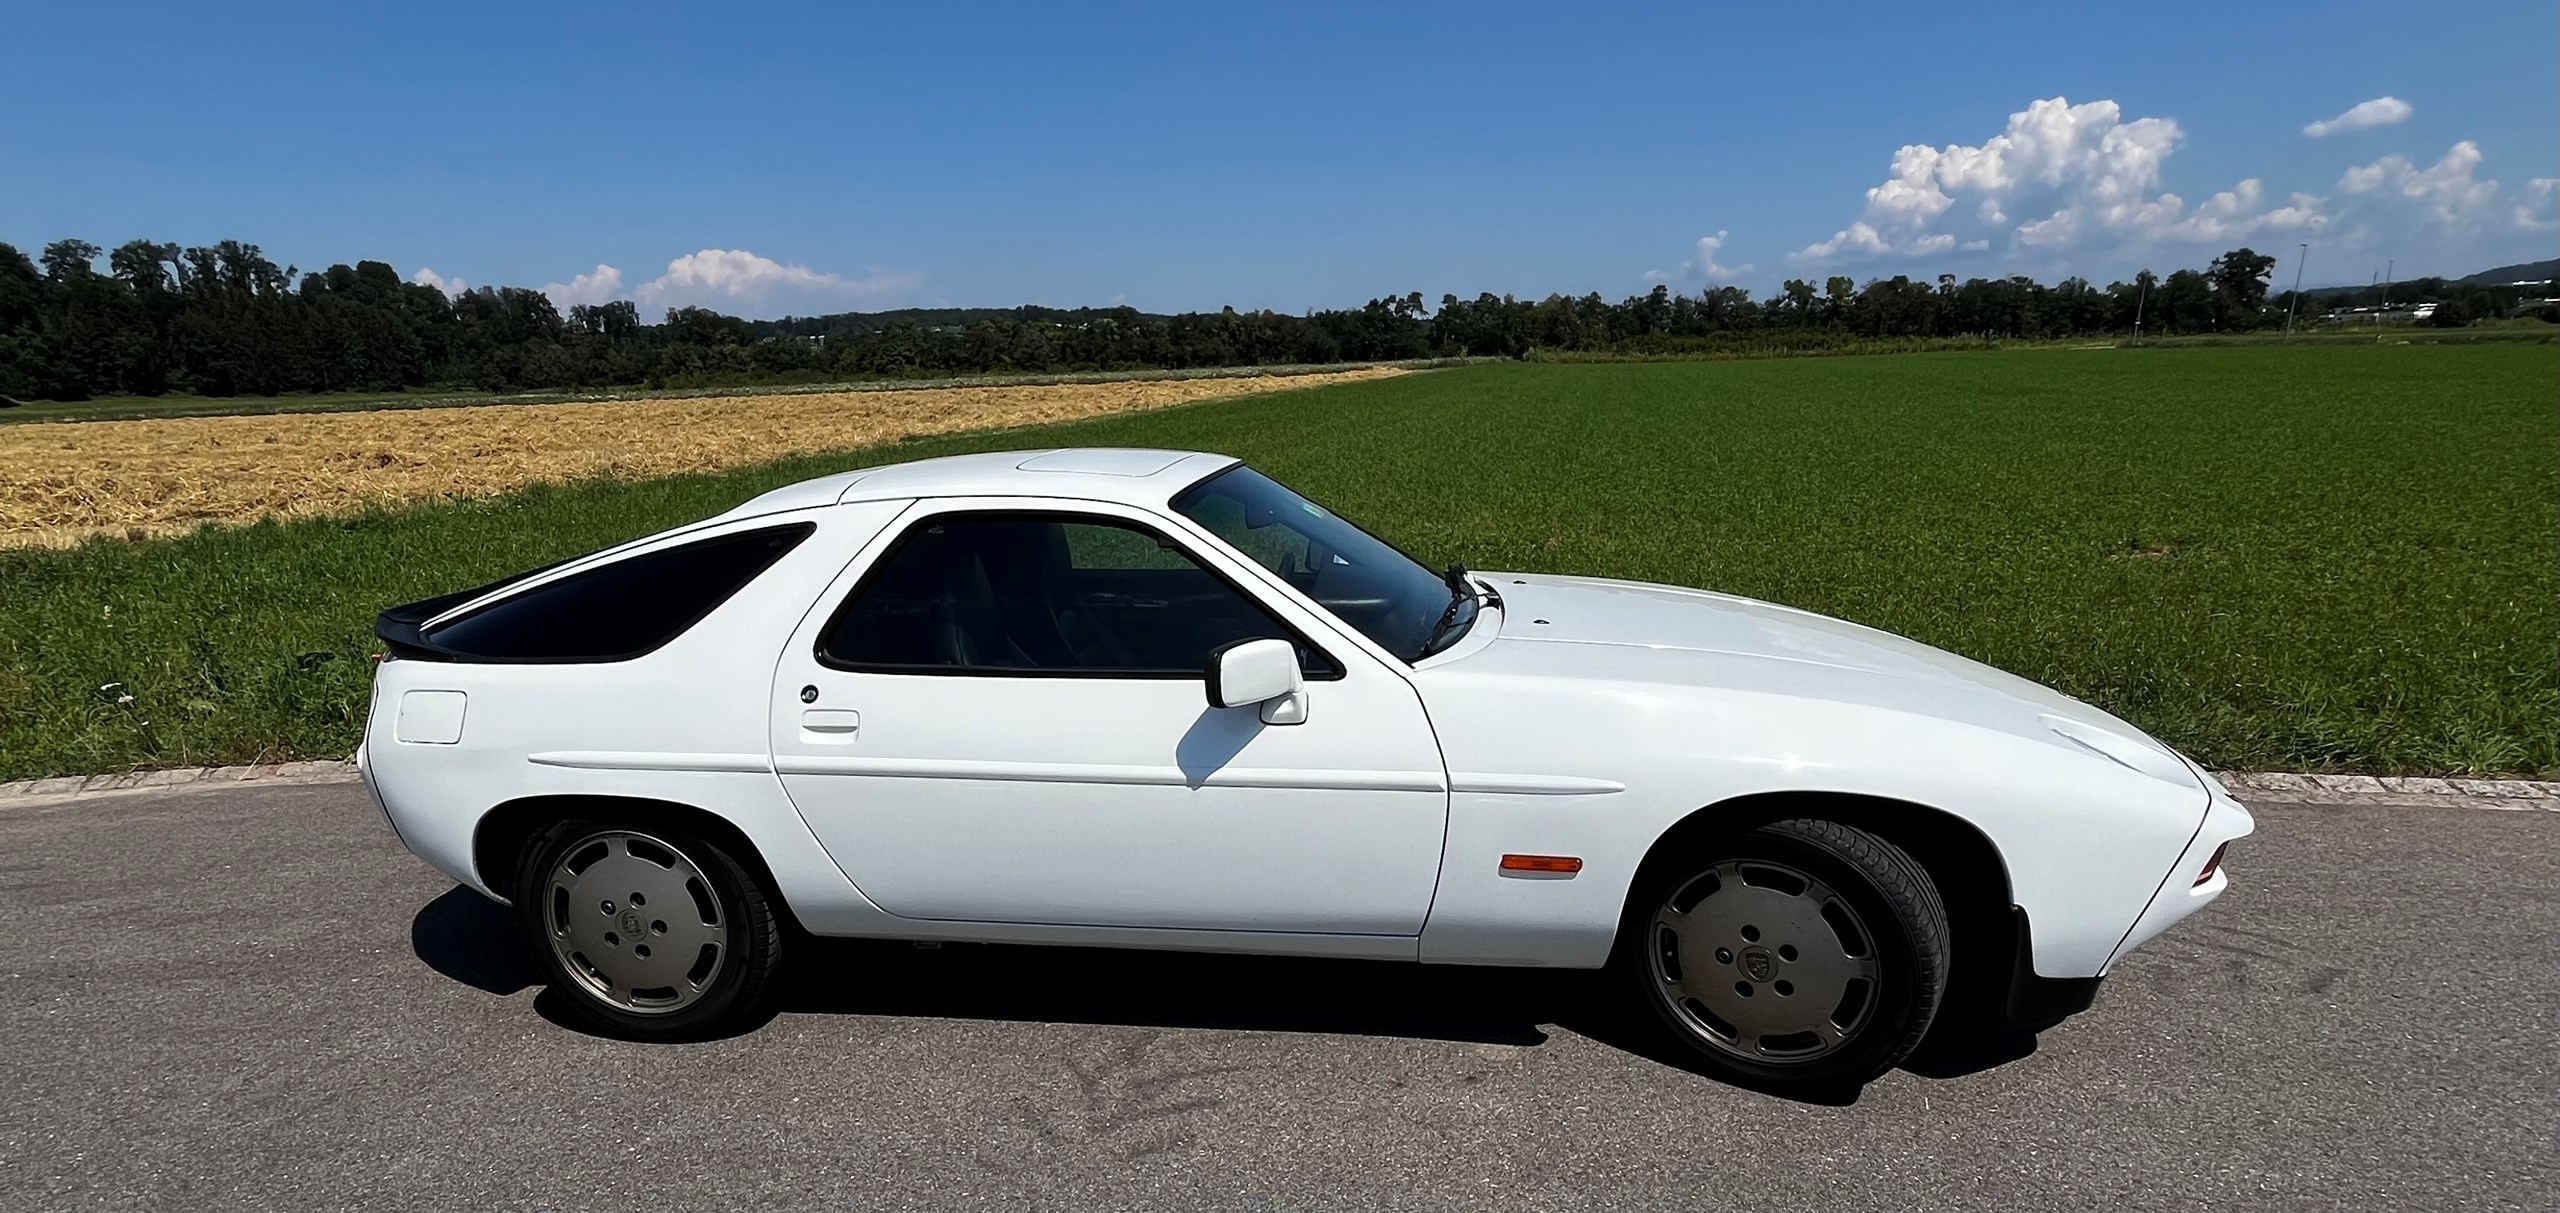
(252, 998)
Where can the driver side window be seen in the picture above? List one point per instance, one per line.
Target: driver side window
(1032, 594)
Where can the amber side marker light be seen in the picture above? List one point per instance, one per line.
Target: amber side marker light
(1567, 864)
(2214, 864)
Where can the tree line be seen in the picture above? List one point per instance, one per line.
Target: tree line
(225, 320)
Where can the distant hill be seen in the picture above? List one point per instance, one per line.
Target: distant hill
(2409, 290)
(2522, 271)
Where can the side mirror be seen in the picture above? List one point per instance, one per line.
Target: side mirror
(1263, 672)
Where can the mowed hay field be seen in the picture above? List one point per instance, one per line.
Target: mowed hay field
(64, 480)
(2275, 558)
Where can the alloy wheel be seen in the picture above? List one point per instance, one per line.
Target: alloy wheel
(1761, 961)
(634, 922)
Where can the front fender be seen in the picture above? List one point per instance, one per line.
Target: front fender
(2086, 840)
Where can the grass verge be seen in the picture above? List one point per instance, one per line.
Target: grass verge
(2336, 559)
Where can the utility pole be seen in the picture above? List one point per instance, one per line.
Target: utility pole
(2295, 304)
(2387, 267)
(2141, 291)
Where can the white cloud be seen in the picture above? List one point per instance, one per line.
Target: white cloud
(2090, 175)
(428, 277)
(603, 285)
(2540, 211)
(2364, 179)
(2067, 186)
(2233, 214)
(2448, 188)
(2364, 115)
(725, 276)
(1859, 237)
(1704, 265)
(730, 279)
(2448, 215)
(736, 273)
(1716, 271)
(2220, 213)
(2099, 167)
(2300, 213)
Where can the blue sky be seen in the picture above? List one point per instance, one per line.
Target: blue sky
(828, 156)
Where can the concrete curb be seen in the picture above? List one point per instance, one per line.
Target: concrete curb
(67, 787)
(2268, 787)
(2277, 787)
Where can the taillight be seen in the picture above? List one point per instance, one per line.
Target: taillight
(2214, 864)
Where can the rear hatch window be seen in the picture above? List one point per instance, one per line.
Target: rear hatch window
(613, 612)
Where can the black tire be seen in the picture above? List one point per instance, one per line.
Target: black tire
(1896, 915)
(736, 992)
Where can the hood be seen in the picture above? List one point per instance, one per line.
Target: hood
(1616, 617)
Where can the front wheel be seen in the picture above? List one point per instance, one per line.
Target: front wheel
(647, 930)
(1802, 954)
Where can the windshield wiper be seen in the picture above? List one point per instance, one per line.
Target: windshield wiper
(1462, 581)
(1461, 592)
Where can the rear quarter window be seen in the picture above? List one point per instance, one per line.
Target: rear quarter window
(619, 610)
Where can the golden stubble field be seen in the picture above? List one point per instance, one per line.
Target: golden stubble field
(60, 481)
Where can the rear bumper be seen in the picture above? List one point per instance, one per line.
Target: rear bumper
(373, 792)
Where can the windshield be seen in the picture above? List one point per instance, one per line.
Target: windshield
(1362, 579)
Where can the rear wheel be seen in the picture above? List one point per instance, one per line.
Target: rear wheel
(1804, 953)
(647, 930)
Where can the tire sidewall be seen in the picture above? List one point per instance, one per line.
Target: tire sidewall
(737, 889)
(1888, 1033)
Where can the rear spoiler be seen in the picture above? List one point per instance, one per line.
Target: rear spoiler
(398, 627)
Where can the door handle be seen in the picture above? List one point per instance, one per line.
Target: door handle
(836, 724)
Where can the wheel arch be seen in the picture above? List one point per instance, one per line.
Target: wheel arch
(1971, 874)
(499, 838)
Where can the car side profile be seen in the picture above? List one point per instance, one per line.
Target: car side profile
(1155, 699)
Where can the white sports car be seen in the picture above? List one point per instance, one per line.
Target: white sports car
(1155, 699)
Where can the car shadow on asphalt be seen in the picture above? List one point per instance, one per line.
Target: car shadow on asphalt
(472, 940)
(1186, 990)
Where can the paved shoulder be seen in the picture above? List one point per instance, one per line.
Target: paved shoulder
(250, 997)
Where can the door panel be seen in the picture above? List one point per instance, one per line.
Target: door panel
(1059, 797)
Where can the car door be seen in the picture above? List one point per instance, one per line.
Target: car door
(999, 714)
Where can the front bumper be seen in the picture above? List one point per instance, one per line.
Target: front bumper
(2035, 1002)
(2180, 893)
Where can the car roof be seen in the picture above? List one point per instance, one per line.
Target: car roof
(1129, 475)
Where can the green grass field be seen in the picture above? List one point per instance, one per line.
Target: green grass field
(2293, 557)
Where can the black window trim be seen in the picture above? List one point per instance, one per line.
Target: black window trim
(409, 638)
(1335, 672)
